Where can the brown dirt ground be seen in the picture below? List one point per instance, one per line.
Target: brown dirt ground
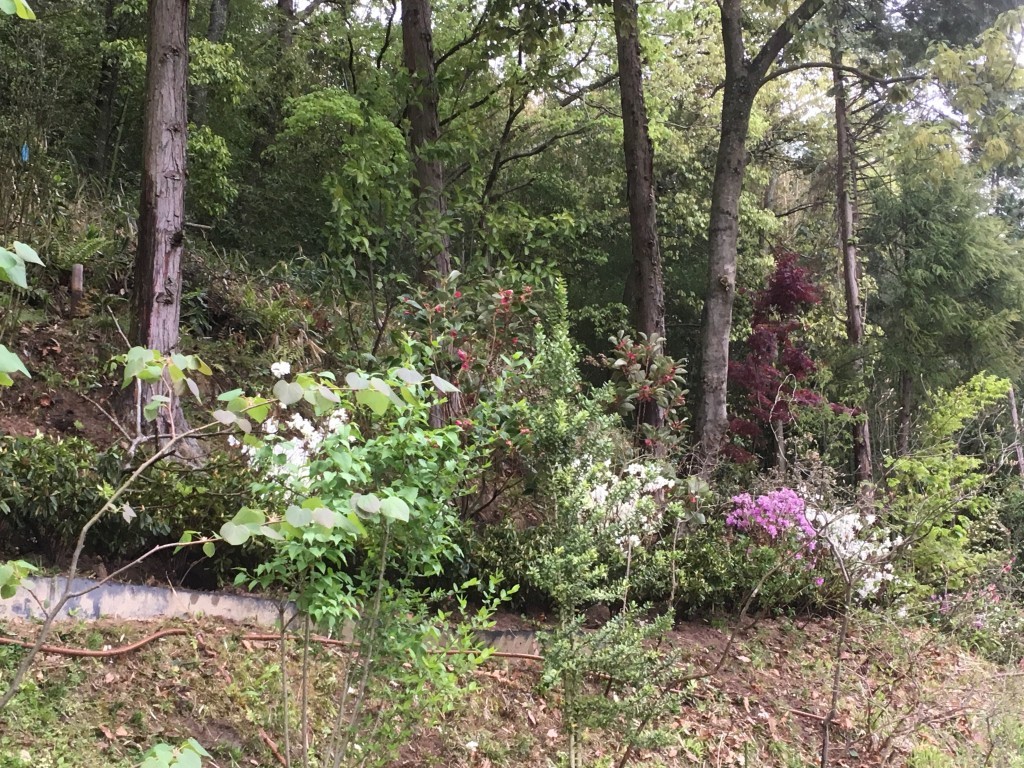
(763, 708)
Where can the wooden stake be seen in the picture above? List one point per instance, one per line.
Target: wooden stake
(77, 289)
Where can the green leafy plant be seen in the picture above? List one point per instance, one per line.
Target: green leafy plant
(12, 264)
(189, 754)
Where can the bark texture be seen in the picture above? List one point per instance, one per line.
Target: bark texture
(744, 77)
(845, 211)
(648, 295)
(425, 129)
(156, 300)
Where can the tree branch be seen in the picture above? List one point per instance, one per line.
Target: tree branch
(781, 36)
(866, 76)
(387, 34)
(469, 39)
(547, 144)
(597, 85)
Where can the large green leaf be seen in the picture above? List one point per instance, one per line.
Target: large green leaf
(12, 269)
(27, 254)
(395, 508)
(234, 534)
(288, 393)
(24, 12)
(378, 402)
(11, 363)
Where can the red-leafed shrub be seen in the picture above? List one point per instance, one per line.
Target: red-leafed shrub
(769, 380)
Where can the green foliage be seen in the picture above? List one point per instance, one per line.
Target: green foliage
(949, 281)
(51, 487)
(356, 514)
(211, 189)
(939, 496)
(189, 754)
(12, 270)
(11, 574)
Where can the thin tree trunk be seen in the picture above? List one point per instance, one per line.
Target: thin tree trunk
(156, 300)
(418, 53)
(1015, 417)
(106, 94)
(648, 304)
(848, 247)
(215, 32)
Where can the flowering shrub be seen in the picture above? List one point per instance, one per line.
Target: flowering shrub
(625, 505)
(772, 517)
(644, 377)
(357, 496)
(851, 541)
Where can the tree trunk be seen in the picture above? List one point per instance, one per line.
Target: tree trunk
(648, 304)
(723, 240)
(215, 34)
(286, 23)
(848, 247)
(744, 77)
(156, 300)
(106, 94)
(418, 53)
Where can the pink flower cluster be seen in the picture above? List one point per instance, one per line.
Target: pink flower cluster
(773, 515)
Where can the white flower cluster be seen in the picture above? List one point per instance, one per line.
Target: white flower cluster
(286, 460)
(864, 548)
(622, 504)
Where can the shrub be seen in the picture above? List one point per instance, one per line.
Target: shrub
(50, 487)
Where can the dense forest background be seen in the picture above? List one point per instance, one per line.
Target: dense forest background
(647, 309)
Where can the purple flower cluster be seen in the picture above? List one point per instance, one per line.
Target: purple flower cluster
(773, 515)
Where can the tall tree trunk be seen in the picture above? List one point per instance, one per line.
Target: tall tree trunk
(418, 53)
(215, 32)
(156, 300)
(286, 23)
(723, 240)
(744, 77)
(648, 304)
(106, 94)
(848, 246)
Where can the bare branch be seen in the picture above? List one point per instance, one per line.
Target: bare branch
(866, 76)
(597, 85)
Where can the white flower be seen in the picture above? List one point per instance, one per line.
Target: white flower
(233, 441)
(636, 469)
(281, 368)
(471, 746)
(337, 420)
(270, 426)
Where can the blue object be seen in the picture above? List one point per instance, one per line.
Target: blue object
(24, 152)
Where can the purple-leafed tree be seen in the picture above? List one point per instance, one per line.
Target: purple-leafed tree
(769, 380)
